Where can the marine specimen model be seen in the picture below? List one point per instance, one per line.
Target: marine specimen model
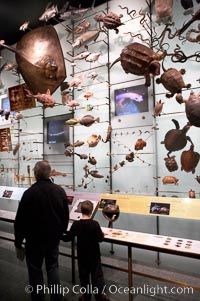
(50, 12)
(95, 174)
(40, 59)
(138, 59)
(163, 11)
(108, 136)
(171, 163)
(189, 160)
(81, 55)
(55, 173)
(110, 21)
(85, 38)
(93, 57)
(192, 194)
(92, 160)
(78, 143)
(86, 120)
(192, 109)
(158, 108)
(140, 144)
(173, 81)
(76, 82)
(80, 28)
(170, 180)
(46, 99)
(93, 140)
(176, 139)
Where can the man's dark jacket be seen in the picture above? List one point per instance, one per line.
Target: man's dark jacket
(42, 215)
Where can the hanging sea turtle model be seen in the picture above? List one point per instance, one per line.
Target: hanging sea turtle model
(110, 21)
(138, 59)
(173, 81)
(176, 139)
(192, 109)
(189, 160)
(171, 163)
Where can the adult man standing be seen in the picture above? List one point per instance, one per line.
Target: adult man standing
(41, 218)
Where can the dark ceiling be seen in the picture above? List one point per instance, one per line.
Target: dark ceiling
(13, 13)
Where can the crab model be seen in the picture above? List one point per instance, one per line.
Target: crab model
(110, 21)
(176, 139)
(138, 59)
(172, 80)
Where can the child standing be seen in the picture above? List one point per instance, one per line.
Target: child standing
(89, 234)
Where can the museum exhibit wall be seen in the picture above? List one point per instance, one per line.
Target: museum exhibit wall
(120, 167)
(145, 173)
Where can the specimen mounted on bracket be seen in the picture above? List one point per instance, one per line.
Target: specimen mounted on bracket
(192, 108)
(189, 160)
(40, 59)
(173, 81)
(176, 139)
(138, 59)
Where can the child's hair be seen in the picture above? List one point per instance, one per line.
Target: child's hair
(86, 207)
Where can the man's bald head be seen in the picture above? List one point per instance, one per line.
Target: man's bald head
(42, 170)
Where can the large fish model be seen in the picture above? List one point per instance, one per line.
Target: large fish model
(50, 12)
(92, 75)
(55, 173)
(72, 103)
(69, 12)
(40, 59)
(95, 174)
(81, 56)
(80, 28)
(77, 82)
(85, 38)
(24, 26)
(86, 120)
(78, 143)
(93, 140)
(46, 99)
(93, 57)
